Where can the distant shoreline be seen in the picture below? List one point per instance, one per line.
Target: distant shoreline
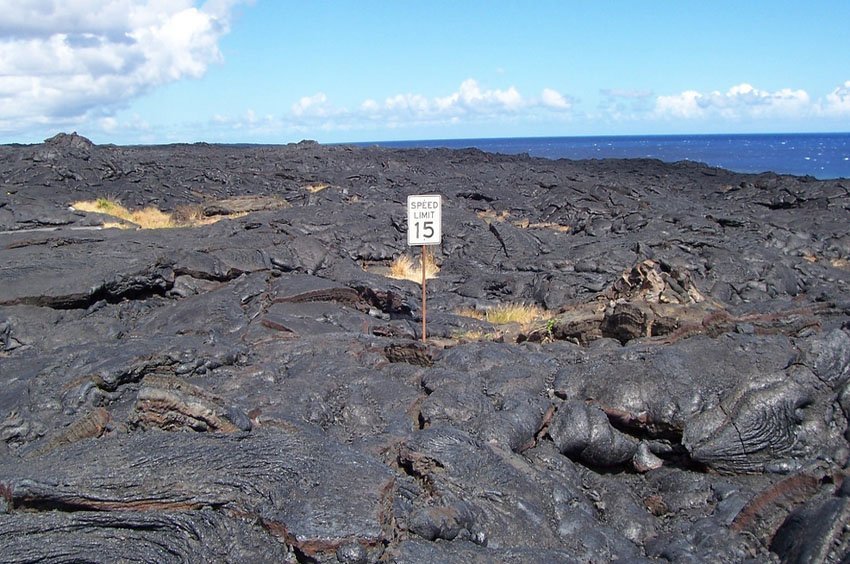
(825, 156)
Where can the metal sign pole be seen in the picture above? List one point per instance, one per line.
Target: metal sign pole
(424, 308)
(424, 227)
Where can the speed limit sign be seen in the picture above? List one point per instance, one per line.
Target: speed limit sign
(424, 220)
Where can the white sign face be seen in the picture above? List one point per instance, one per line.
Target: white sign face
(424, 220)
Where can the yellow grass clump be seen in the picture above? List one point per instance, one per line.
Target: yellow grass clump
(490, 216)
(146, 218)
(151, 218)
(189, 215)
(504, 314)
(493, 215)
(840, 263)
(525, 224)
(407, 268)
(314, 187)
(476, 335)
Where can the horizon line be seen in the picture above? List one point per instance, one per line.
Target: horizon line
(442, 139)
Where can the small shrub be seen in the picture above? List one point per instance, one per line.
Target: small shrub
(188, 214)
(504, 314)
(152, 218)
(406, 268)
(106, 205)
(100, 205)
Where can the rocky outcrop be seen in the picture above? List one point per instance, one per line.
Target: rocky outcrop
(256, 390)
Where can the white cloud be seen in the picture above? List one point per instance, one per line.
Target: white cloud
(413, 104)
(742, 101)
(625, 93)
(554, 99)
(63, 61)
(370, 106)
(316, 105)
(684, 105)
(108, 124)
(131, 128)
(837, 102)
(470, 101)
(471, 97)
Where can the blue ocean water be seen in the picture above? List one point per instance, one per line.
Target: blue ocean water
(822, 155)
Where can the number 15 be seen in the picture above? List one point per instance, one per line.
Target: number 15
(427, 229)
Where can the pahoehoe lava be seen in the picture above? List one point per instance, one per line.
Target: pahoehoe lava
(256, 390)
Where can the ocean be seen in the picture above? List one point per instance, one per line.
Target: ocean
(821, 155)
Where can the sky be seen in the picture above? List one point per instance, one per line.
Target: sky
(278, 71)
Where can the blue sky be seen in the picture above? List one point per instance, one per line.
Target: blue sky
(276, 71)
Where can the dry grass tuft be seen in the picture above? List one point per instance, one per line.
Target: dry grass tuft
(545, 225)
(490, 216)
(493, 215)
(406, 268)
(476, 335)
(101, 205)
(473, 313)
(149, 217)
(503, 314)
(190, 214)
(841, 263)
(314, 187)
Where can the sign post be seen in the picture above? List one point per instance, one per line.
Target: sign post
(424, 227)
